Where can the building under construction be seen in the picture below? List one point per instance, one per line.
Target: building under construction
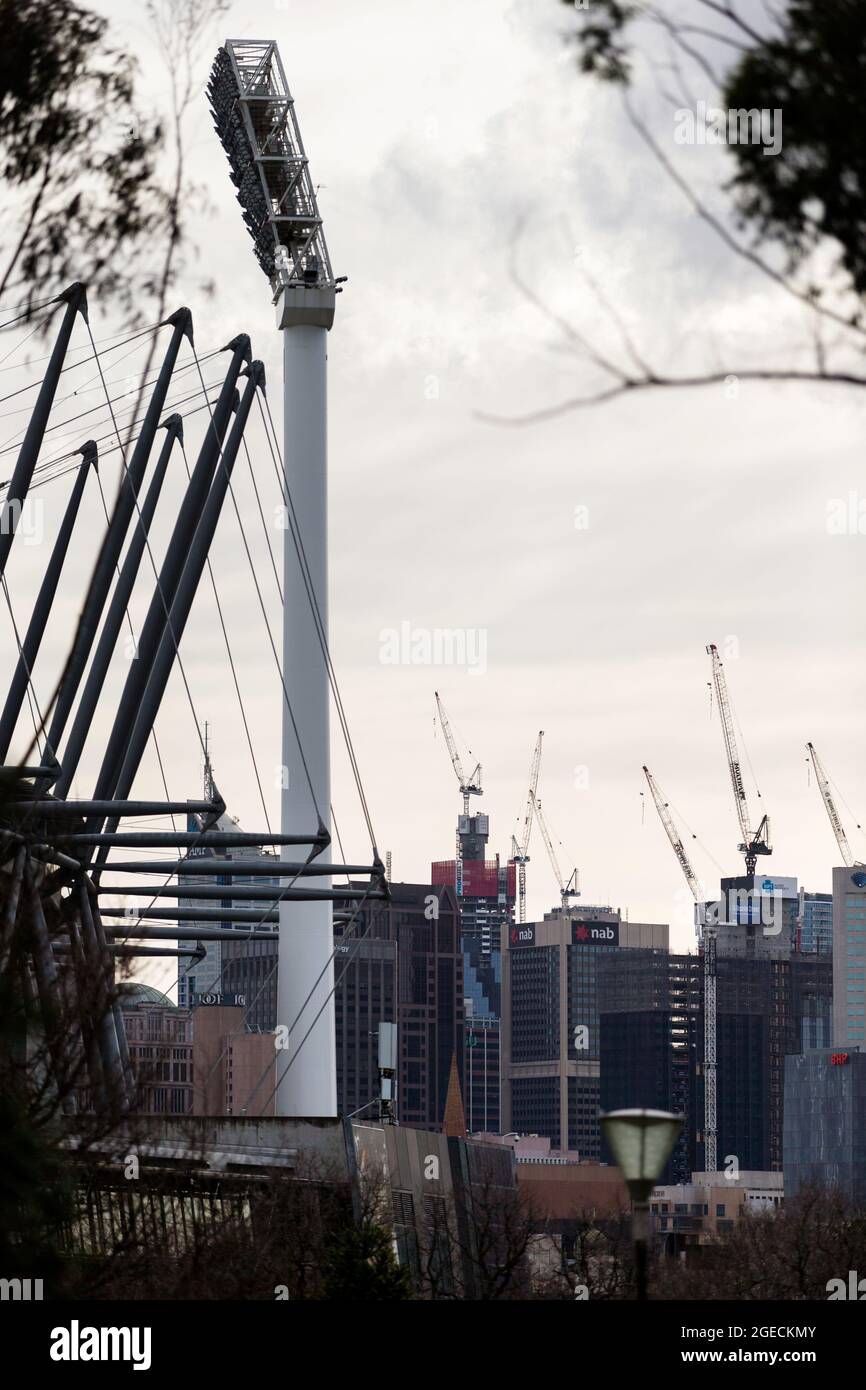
(486, 900)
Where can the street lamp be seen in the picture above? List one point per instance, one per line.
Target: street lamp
(641, 1142)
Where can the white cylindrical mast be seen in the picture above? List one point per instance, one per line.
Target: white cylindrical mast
(254, 115)
(305, 1002)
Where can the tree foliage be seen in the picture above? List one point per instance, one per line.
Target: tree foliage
(814, 72)
(79, 156)
(809, 63)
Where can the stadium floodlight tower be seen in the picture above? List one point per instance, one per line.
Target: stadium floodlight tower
(255, 119)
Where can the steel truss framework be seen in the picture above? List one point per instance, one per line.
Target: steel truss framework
(254, 117)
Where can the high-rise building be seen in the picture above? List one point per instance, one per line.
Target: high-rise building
(759, 915)
(400, 961)
(550, 1021)
(652, 1043)
(816, 923)
(849, 957)
(248, 975)
(365, 974)
(485, 890)
(650, 1007)
(825, 1121)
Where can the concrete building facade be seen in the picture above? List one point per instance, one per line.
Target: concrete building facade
(550, 1020)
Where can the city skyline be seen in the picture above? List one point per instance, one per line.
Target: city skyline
(596, 635)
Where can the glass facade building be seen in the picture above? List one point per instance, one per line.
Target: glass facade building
(551, 1037)
(825, 1122)
(849, 957)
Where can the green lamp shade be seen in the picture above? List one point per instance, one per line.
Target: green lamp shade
(641, 1142)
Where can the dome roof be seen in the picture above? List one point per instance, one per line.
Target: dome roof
(133, 994)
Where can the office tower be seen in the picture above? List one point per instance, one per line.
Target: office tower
(400, 961)
(816, 923)
(759, 915)
(247, 976)
(650, 1006)
(550, 1021)
(365, 974)
(485, 889)
(849, 957)
(825, 1122)
(767, 1007)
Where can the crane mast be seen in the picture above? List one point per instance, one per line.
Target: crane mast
(566, 890)
(708, 939)
(470, 786)
(830, 806)
(757, 842)
(520, 852)
(673, 835)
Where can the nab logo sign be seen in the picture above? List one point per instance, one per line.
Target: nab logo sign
(595, 933)
(522, 936)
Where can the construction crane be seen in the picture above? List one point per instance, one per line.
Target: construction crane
(708, 939)
(568, 890)
(830, 805)
(757, 842)
(470, 786)
(520, 852)
(673, 835)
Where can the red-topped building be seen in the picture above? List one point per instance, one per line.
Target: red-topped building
(486, 891)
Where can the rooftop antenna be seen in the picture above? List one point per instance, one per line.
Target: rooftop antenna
(254, 115)
(208, 766)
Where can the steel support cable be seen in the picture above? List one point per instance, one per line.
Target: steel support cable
(112, 433)
(147, 547)
(358, 941)
(251, 935)
(682, 821)
(277, 661)
(70, 366)
(267, 1068)
(339, 839)
(132, 635)
(332, 679)
(85, 388)
(106, 338)
(26, 308)
(264, 523)
(242, 935)
(322, 636)
(10, 444)
(230, 655)
(745, 748)
(126, 748)
(317, 618)
(170, 581)
(112, 448)
(19, 344)
(31, 690)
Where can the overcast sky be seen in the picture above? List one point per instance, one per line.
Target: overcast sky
(596, 553)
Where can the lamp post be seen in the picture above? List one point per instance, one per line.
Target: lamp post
(641, 1142)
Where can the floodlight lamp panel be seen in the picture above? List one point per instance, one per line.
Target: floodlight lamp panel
(254, 115)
